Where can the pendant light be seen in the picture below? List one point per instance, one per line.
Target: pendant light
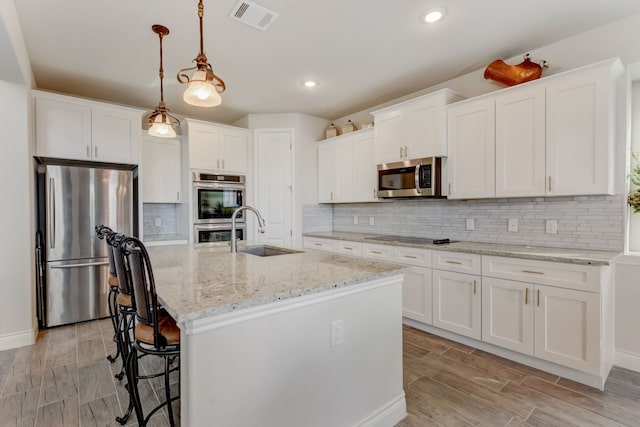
(204, 87)
(161, 122)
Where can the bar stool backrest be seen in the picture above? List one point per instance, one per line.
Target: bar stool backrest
(104, 232)
(122, 272)
(144, 287)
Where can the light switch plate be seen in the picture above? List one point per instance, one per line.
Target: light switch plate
(552, 226)
(371, 221)
(512, 225)
(355, 220)
(470, 224)
(158, 222)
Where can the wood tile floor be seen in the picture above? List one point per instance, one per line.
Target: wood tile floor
(65, 380)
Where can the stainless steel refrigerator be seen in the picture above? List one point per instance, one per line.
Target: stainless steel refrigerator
(72, 201)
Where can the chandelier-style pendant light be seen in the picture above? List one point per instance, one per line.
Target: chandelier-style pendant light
(204, 87)
(161, 122)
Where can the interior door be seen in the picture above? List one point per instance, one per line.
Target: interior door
(274, 185)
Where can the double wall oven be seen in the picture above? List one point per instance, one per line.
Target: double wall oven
(215, 199)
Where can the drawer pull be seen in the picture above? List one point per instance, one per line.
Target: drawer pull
(376, 252)
(532, 271)
(318, 244)
(538, 297)
(454, 262)
(348, 248)
(410, 256)
(526, 296)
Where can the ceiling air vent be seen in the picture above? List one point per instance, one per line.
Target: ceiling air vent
(253, 14)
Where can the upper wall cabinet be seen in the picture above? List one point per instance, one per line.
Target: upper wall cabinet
(217, 147)
(77, 129)
(413, 129)
(346, 171)
(551, 137)
(161, 170)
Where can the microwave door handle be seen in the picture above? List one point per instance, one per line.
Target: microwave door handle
(416, 177)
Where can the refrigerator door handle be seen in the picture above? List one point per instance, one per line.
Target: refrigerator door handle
(86, 264)
(52, 213)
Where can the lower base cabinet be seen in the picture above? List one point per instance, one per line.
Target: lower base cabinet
(417, 295)
(457, 303)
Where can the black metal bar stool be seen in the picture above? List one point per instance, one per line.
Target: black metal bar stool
(155, 331)
(103, 232)
(125, 310)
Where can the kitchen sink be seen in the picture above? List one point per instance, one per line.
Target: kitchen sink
(265, 250)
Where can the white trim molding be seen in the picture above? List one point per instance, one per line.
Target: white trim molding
(627, 360)
(18, 339)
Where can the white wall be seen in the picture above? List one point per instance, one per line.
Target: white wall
(17, 296)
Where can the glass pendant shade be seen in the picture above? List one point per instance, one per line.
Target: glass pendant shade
(200, 92)
(162, 128)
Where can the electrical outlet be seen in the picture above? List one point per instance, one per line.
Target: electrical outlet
(371, 221)
(158, 222)
(552, 226)
(512, 225)
(470, 224)
(337, 332)
(355, 220)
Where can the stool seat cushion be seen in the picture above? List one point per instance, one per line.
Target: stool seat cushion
(113, 281)
(166, 327)
(124, 300)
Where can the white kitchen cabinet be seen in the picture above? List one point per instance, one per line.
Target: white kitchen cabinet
(520, 142)
(161, 170)
(318, 244)
(471, 137)
(567, 328)
(507, 314)
(77, 129)
(346, 172)
(413, 129)
(549, 310)
(417, 295)
(580, 130)
(217, 147)
(457, 303)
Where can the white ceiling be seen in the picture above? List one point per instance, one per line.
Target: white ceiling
(362, 52)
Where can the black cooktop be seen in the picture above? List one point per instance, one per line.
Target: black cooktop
(408, 239)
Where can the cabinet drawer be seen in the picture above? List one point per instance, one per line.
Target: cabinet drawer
(571, 276)
(349, 248)
(318, 244)
(414, 256)
(454, 261)
(381, 252)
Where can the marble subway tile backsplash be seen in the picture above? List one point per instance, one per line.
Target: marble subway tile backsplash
(167, 215)
(586, 222)
(317, 218)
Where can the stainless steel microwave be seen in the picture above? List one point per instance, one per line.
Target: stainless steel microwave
(410, 178)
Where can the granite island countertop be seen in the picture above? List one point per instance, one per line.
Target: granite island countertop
(541, 253)
(195, 282)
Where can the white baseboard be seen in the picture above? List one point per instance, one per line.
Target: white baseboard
(627, 360)
(17, 339)
(387, 416)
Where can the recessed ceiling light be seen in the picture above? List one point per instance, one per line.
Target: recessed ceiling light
(434, 16)
(310, 83)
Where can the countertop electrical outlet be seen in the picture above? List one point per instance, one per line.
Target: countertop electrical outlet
(552, 226)
(512, 225)
(470, 224)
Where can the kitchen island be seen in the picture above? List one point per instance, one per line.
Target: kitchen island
(299, 339)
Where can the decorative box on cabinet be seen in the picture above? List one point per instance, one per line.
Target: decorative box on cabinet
(217, 147)
(346, 171)
(77, 129)
(161, 170)
(413, 129)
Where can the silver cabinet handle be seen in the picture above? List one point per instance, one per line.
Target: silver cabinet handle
(532, 272)
(406, 152)
(95, 151)
(348, 248)
(376, 252)
(549, 183)
(538, 297)
(416, 177)
(88, 152)
(178, 196)
(454, 262)
(222, 163)
(52, 213)
(400, 152)
(526, 296)
(218, 163)
(86, 264)
(409, 256)
(474, 287)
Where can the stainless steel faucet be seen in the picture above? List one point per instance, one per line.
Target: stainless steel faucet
(261, 225)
